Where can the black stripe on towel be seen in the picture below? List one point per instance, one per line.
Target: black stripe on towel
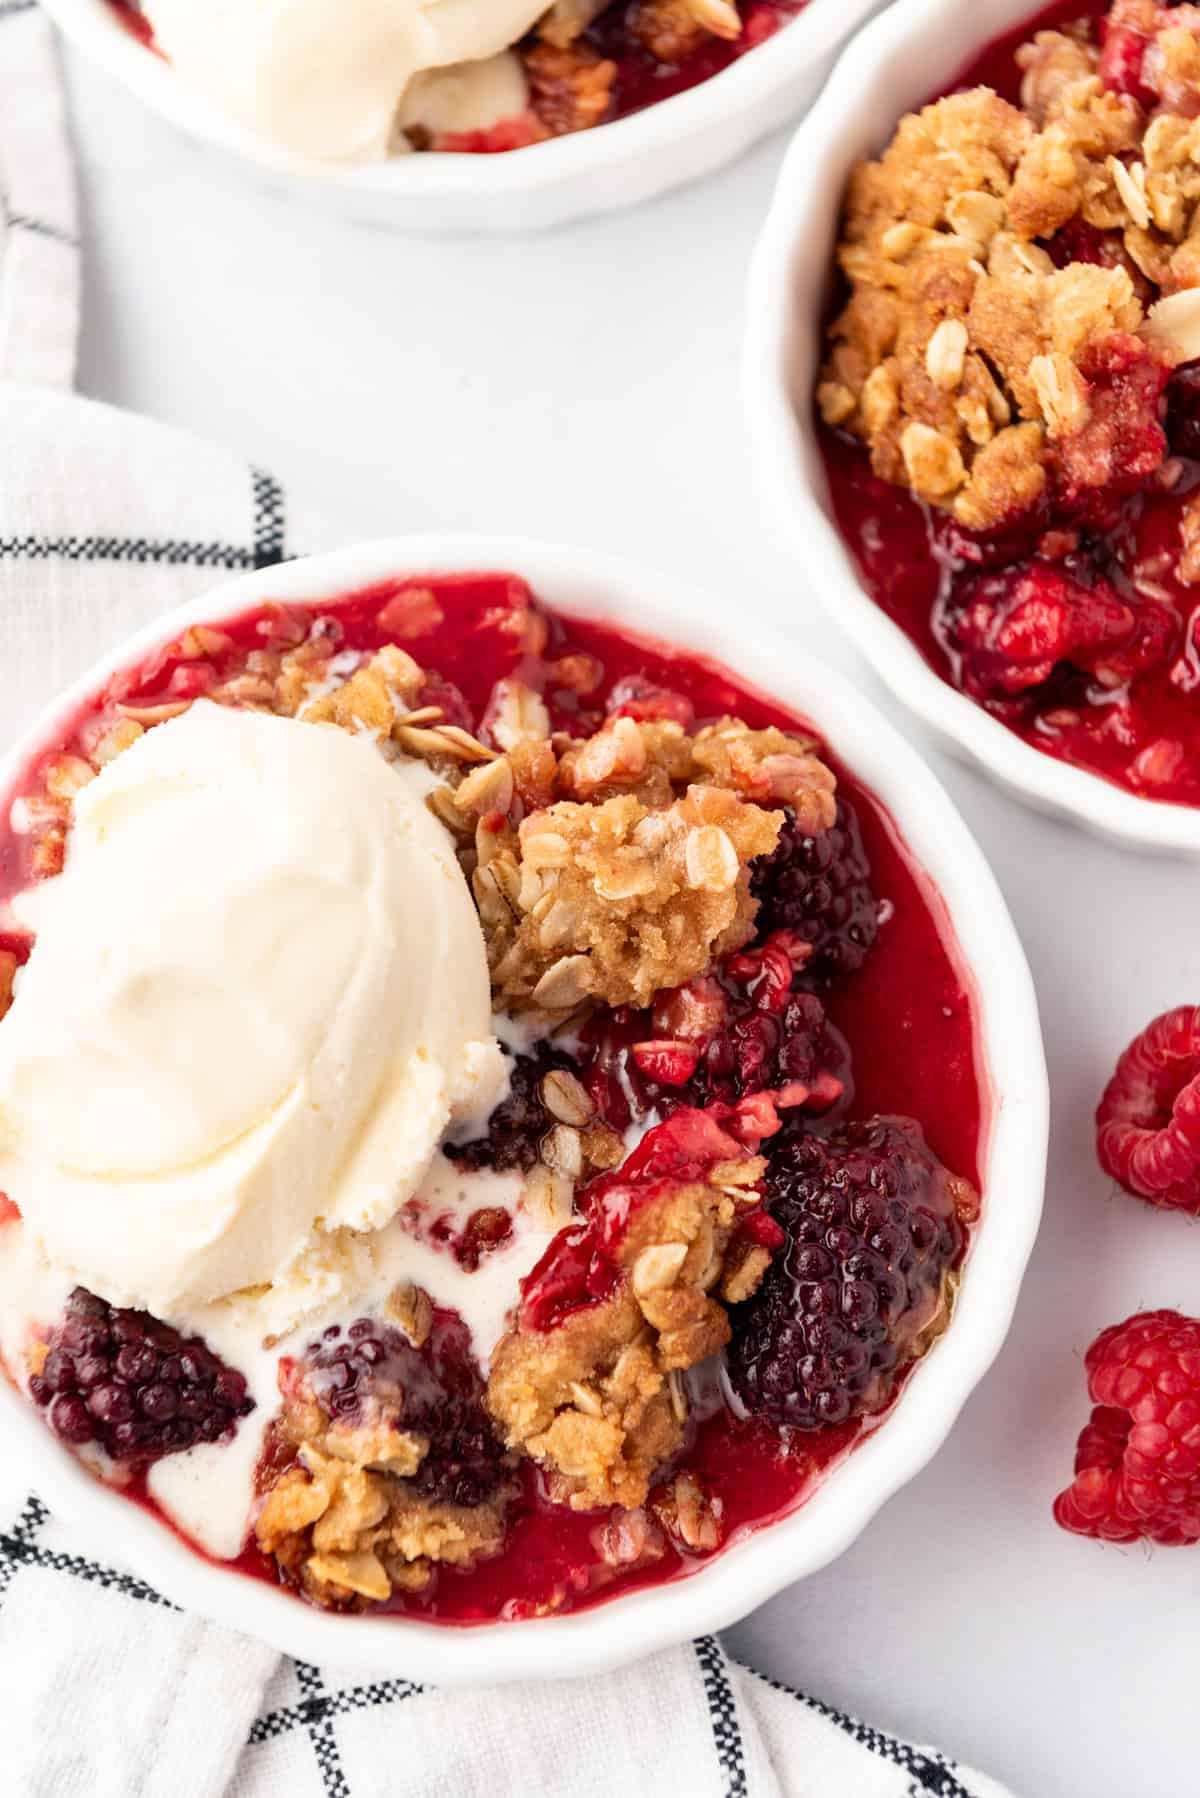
(937, 1776)
(268, 519)
(722, 1715)
(173, 551)
(318, 1721)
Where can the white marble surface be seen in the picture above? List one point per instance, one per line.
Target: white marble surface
(584, 385)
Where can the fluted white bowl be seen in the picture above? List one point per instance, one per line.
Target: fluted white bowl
(894, 65)
(608, 166)
(753, 1569)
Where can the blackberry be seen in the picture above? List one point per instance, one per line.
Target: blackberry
(134, 1385)
(372, 1372)
(1183, 410)
(772, 1051)
(820, 888)
(872, 1233)
(518, 1124)
(719, 1040)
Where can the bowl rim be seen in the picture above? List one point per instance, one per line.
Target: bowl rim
(742, 87)
(1013, 1066)
(857, 109)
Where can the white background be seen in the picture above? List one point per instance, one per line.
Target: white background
(584, 385)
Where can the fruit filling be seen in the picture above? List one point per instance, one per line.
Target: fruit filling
(1010, 394)
(490, 76)
(643, 1140)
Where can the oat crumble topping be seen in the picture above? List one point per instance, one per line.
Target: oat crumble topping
(998, 258)
(597, 1399)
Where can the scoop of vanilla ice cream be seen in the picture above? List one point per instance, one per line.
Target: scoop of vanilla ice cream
(324, 77)
(258, 996)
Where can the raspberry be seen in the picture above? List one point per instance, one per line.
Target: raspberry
(872, 1235)
(134, 1385)
(1148, 1122)
(1121, 443)
(670, 1060)
(579, 1265)
(1124, 51)
(1137, 1466)
(820, 888)
(371, 1373)
(518, 1124)
(1011, 630)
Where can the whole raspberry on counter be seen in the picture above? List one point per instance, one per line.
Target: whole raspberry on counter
(1148, 1122)
(873, 1232)
(1137, 1466)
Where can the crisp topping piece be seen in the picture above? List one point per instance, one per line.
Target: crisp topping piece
(620, 864)
(350, 1537)
(998, 261)
(570, 87)
(389, 1463)
(588, 1381)
(691, 1517)
(614, 901)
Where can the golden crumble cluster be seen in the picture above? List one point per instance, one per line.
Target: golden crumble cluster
(597, 1400)
(345, 1520)
(967, 356)
(629, 871)
(351, 1534)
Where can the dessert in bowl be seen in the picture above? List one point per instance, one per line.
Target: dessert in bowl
(557, 1142)
(456, 114)
(984, 385)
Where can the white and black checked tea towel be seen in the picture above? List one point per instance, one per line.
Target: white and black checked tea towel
(108, 1691)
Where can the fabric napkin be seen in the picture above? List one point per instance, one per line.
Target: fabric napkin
(109, 1691)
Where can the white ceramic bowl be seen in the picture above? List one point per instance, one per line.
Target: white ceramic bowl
(901, 58)
(545, 184)
(751, 1570)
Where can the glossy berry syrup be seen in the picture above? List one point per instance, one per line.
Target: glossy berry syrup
(1124, 607)
(903, 1007)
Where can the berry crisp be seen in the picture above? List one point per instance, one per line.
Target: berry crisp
(719, 1211)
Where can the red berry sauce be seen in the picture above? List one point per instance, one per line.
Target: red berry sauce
(906, 1013)
(1093, 658)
